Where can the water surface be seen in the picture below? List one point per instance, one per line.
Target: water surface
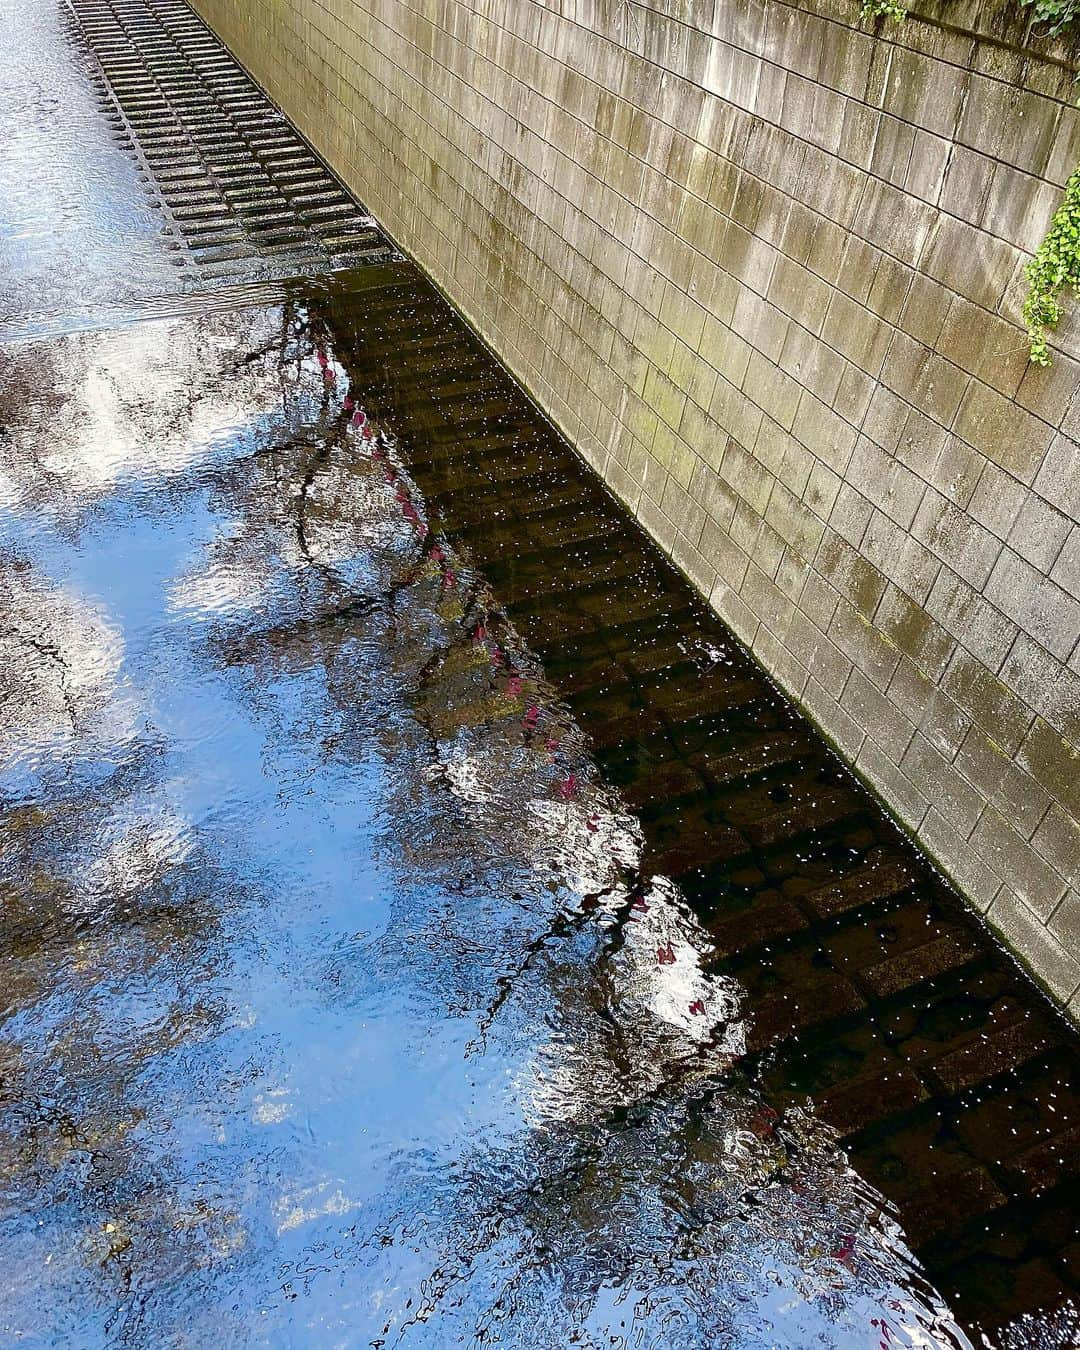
(424, 926)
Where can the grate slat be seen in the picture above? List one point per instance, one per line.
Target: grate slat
(234, 179)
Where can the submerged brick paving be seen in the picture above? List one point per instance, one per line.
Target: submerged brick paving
(869, 987)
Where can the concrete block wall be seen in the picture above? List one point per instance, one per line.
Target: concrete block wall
(764, 265)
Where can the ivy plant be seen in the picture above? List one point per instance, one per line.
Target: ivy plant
(891, 9)
(1055, 16)
(1055, 267)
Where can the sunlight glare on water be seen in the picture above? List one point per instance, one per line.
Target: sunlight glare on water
(422, 924)
(340, 1008)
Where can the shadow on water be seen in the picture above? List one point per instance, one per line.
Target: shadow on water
(423, 925)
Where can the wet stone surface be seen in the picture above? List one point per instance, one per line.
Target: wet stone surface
(423, 926)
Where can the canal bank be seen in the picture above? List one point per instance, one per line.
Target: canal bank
(422, 923)
(764, 266)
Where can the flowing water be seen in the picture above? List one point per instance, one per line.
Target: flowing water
(422, 924)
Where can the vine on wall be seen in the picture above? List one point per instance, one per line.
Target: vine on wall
(1056, 264)
(1059, 16)
(884, 9)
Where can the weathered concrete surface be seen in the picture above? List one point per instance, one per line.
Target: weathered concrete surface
(764, 269)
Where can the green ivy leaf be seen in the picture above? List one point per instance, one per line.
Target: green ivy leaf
(1054, 268)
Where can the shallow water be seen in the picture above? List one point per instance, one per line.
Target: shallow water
(421, 923)
(114, 200)
(423, 926)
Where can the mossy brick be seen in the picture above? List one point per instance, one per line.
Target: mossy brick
(1053, 763)
(1051, 392)
(774, 392)
(852, 399)
(1034, 881)
(896, 221)
(797, 40)
(850, 514)
(953, 467)
(893, 488)
(984, 344)
(1065, 154)
(693, 564)
(1009, 435)
(930, 157)
(850, 574)
(766, 600)
(652, 517)
(723, 554)
(677, 457)
(794, 522)
(832, 188)
(798, 293)
(818, 599)
(1058, 478)
(750, 479)
(1057, 839)
(913, 632)
(845, 61)
(734, 611)
(856, 333)
(680, 506)
(1020, 206)
(957, 800)
(746, 529)
(992, 773)
(1065, 922)
(975, 264)
(770, 92)
(1041, 679)
(944, 721)
(855, 635)
(703, 227)
(792, 573)
(892, 150)
(924, 309)
(735, 412)
(978, 881)
(907, 801)
(858, 268)
(1039, 606)
(982, 629)
(842, 729)
(888, 726)
(826, 663)
(901, 556)
(816, 366)
(954, 537)
(1008, 123)
(924, 379)
(682, 316)
(1039, 533)
(1042, 951)
(793, 462)
(1066, 569)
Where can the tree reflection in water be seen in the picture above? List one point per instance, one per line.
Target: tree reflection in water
(340, 1007)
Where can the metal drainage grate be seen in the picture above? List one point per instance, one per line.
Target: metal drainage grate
(235, 177)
